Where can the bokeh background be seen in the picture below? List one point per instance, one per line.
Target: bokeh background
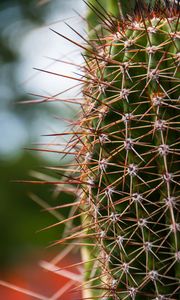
(26, 41)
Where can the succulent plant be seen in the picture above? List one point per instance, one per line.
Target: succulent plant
(127, 152)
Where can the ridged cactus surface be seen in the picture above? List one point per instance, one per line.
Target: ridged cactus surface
(129, 157)
(127, 143)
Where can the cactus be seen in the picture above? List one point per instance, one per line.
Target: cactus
(128, 148)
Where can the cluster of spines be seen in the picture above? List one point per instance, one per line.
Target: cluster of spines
(131, 120)
(127, 146)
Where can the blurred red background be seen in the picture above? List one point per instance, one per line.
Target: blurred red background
(32, 277)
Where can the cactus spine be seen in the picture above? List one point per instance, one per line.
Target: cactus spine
(128, 158)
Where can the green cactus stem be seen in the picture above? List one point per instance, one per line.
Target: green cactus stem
(131, 147)
(128, 146)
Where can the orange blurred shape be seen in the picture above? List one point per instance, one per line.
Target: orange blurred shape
(35, 279)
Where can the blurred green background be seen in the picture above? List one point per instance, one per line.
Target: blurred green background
(26, 42)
